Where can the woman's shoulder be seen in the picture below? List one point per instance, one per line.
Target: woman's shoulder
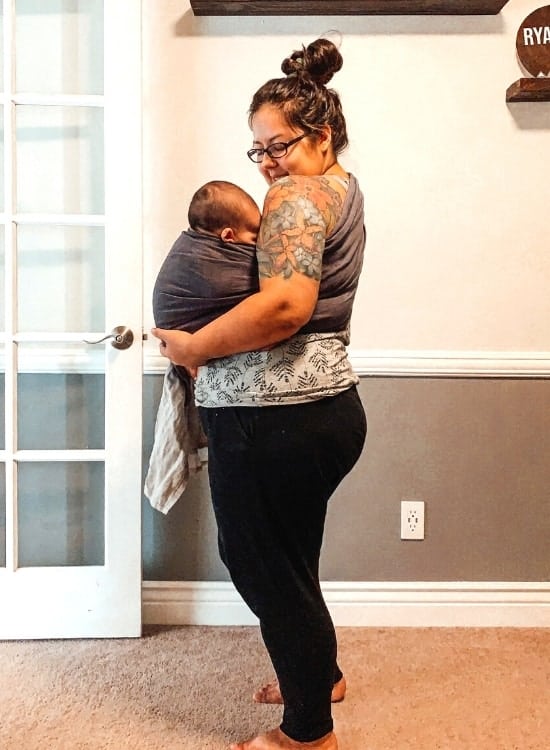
(306, 183)
(314, 193)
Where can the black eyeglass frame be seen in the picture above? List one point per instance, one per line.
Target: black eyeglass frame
(254, 152)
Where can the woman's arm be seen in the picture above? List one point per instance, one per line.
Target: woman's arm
(299, 213)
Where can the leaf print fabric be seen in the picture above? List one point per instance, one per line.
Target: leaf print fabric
(304, 368)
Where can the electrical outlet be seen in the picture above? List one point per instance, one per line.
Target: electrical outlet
(412, 519)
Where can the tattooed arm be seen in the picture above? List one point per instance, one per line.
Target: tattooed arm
(299, 213)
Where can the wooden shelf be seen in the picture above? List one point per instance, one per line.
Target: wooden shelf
(529, 90)
(346, 7)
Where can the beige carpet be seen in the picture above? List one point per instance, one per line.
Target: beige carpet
(189, 689)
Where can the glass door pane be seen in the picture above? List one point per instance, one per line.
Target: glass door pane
(61, 407)
(66, 37)
(2, 321)
(2, 401)
(1, 57)
(61, 270)
(61, 514)
(61, 398)
(59, 202)
(60, 159)
(2, 464)
(2, 275)
(1, 157)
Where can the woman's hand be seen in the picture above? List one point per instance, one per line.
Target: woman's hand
(177, 346)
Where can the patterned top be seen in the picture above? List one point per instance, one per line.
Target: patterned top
(304, 368)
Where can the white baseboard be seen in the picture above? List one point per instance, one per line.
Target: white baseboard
(395, 604)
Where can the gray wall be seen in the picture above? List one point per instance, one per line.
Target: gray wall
(475, 450)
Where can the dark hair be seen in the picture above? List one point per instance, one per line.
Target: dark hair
(216, 205)
(303, 97)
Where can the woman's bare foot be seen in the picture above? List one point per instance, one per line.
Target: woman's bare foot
(271, 692)
(278, 740)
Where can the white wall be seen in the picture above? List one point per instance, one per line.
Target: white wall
(457, 182)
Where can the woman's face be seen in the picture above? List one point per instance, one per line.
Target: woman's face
(306, 157)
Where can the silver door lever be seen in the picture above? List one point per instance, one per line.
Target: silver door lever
(122, 338)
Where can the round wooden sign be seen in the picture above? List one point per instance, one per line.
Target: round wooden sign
(533, 42)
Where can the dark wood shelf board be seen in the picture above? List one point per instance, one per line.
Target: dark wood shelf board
(529, 90)
(345, 7)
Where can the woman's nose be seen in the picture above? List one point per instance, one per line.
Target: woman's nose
(267, 161)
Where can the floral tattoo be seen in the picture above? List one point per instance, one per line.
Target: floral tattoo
(299, 212)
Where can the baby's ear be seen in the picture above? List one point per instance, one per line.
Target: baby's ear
(228, 235)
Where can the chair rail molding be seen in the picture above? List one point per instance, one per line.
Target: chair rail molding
(73, 356)
(425, 363)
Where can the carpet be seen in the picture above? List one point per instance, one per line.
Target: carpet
(189, 688)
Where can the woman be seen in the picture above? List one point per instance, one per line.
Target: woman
(277, 394)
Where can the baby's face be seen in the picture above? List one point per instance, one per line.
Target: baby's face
(247, 231)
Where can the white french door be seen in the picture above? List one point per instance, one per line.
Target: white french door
(70, 268)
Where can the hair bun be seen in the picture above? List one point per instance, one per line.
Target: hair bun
(319, 61)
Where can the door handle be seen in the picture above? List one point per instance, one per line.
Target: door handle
(122, 338)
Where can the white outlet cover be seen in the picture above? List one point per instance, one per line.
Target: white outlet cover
(412, 519)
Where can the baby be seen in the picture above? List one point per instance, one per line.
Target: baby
(212, 266)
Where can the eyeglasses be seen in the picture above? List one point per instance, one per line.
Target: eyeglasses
(275, 151)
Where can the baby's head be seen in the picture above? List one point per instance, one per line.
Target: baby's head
(225, 210)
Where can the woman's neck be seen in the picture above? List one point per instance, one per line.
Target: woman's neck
(336, 169)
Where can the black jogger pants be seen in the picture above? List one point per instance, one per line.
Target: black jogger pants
(272, 470)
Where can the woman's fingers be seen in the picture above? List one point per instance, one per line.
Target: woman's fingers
(174, 344)
(157, 332)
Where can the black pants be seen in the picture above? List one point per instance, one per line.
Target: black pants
(272, 471)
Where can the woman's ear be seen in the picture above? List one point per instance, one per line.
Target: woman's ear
(228, 235)
(324, 137)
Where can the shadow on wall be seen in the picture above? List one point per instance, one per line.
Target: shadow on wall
(310, 26)
(530, 115)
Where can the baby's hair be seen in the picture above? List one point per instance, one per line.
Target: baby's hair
(302, 95)
(216, 205)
